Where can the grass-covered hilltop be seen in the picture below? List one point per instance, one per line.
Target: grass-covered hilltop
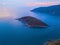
(54, 10)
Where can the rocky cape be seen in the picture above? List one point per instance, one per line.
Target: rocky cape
(54, 10)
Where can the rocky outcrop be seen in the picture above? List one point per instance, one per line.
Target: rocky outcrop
(54, 42)
(32, 21)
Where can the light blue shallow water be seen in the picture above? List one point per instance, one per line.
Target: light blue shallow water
(13, 32)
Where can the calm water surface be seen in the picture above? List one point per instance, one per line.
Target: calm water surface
(14, 32)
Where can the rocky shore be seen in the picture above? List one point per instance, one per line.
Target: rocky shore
(54, 42)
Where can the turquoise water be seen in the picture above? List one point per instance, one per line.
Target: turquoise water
(14, 32)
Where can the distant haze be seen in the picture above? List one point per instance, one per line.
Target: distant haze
(29, 2)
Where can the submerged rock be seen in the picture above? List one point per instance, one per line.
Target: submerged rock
(32, 21)
(54, 42)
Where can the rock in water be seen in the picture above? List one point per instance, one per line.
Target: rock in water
(54, 42)
(32, 21)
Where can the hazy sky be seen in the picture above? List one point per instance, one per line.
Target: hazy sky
(24, 2)
(48, 0)
(30, 0)
(20, 3)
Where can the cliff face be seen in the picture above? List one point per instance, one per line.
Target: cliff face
(55, 10)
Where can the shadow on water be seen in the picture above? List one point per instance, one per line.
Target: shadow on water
(58, 15)
(38, 27)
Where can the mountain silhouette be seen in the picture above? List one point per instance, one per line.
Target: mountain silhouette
(54, 10)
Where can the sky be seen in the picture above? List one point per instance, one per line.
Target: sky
(28, 2)
(16, 3)
(4, 12)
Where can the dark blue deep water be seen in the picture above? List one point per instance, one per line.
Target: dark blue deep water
(14, 32)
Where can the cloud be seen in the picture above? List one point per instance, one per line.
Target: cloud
(42, 3)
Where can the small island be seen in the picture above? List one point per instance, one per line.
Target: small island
(54, 42)
(32, 21)
(53, 10)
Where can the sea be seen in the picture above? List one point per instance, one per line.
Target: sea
(14, 32)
